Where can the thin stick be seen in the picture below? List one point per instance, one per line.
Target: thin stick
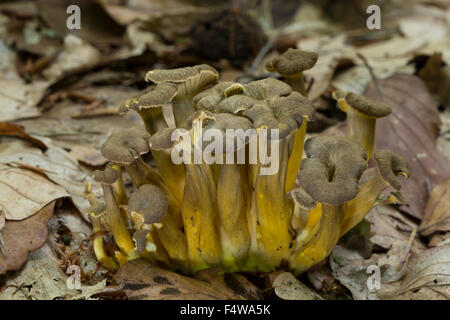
(372, 75)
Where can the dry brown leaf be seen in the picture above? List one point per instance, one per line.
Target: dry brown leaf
(437, 211)
(24, 192)
(411, 131)
(233, 284)
(288, 287)
(21, 237)
(88, 155)
(143, 281)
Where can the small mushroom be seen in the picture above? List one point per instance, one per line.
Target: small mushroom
(147, 205)
(330, 175)
(113, 212)
(361, 117)
(124, 148)
(150, 105)
(291, 65)
(96, 212)
(189, 81)
(389, 166)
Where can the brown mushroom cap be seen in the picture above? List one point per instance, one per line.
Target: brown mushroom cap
(194, 78)
(302, 198)
(107, 176)
(126, 145)
(332, 170)
(370, 108)
(209, 98)
(156, 96)
(267, 88)
(149, 202)
(390, 165)
(292, 62)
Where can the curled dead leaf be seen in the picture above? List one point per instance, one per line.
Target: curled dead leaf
(437, 210)
(21, 237)
(13, 130)
(288, 287)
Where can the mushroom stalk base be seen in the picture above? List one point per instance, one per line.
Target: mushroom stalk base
(361, 129)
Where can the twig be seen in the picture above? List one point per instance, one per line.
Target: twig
(408, 248)
(263, 52)
(372, 75)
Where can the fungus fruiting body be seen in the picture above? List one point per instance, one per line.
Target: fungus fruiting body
(230, 188)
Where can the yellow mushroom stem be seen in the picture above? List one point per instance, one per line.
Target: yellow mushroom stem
(323, 240)
(116, 221)
(98, 247)
(360, 128)
(153, 119)
(172, 174)
(119, 188)
(233, 203)
(368, 197)
(142, 173)
(274, 211)
(182, 109)
(295, 157)
(297, 83)
(200, 218)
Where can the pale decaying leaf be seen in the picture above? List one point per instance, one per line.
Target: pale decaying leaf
(55, 163)
(143, 281)
(437, 210)
(24, 192)
(42, 279)
(288, 287)
(19, 100)
(88, 155)
(391, 231)
(411, 131)
(75, 56)
(428, 269)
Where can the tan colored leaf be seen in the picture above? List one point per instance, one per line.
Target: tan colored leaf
(19, 100)
(288, 287)
(437, 211)
(88, 155)
(55, 163)
(21, 237)
(411, 131)
(143, 281)
(24, 192)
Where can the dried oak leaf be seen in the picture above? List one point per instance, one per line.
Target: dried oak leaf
(143, 281)
(14, 130)
(437, 210)
(411, 131)
(21, 237)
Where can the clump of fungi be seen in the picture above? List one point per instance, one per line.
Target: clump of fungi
(195, 215)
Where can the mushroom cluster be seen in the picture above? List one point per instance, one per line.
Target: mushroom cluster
(228, 209)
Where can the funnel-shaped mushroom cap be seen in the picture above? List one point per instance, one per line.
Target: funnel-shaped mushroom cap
(193, 78)
(283, 113)
(208, 99)
(147, 205)
(156, 96)
(267, 88)
(126, 145)
(370, 108)
(332, 170)
(107, 176)
(292, 62)
(390, 165)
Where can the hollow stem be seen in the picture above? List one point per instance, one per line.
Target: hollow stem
(99, 249)
(361, 129)
(119, 188)
(153, 119)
